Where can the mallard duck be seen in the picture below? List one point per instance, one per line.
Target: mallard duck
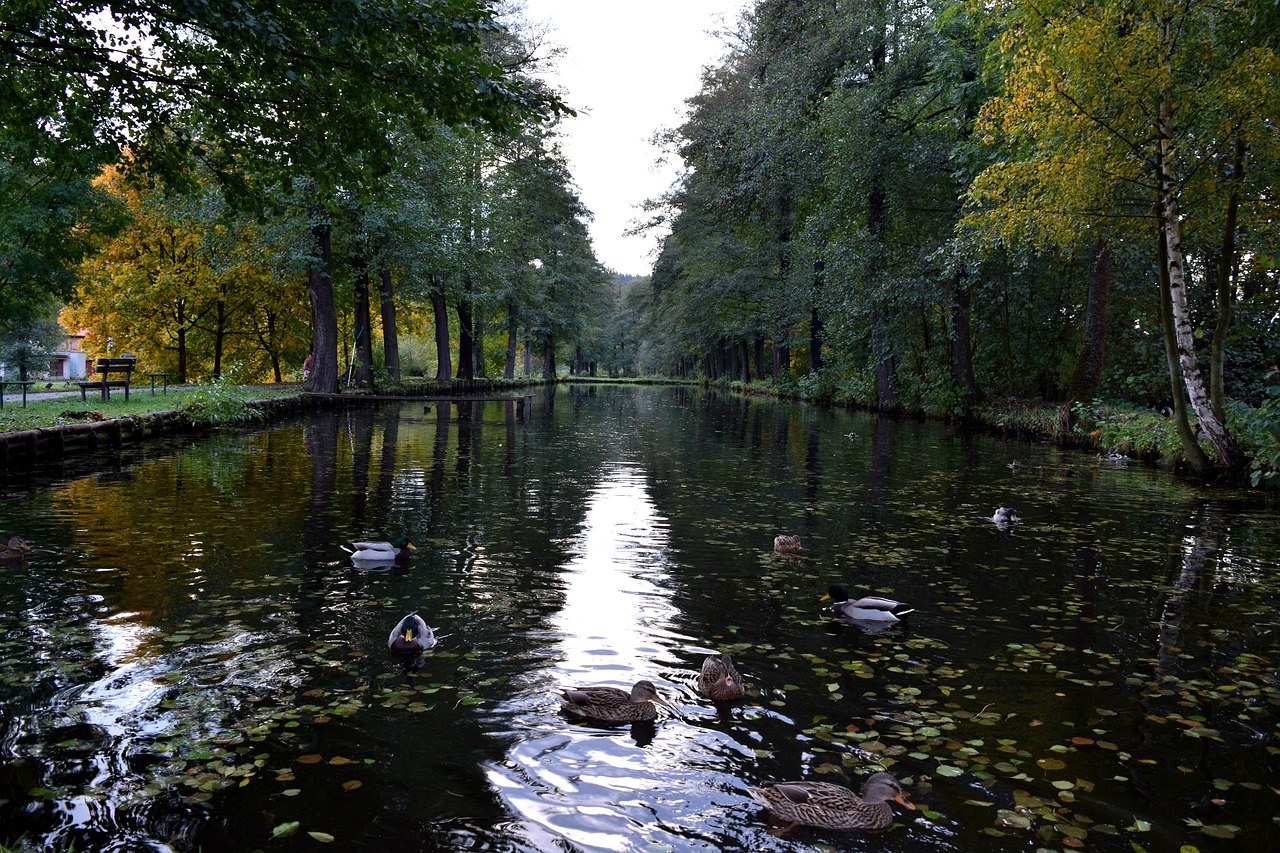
(411, 635)
(871, 608)
(610, 704)
(789, 545)
(719, 681)
(379, 553)
(15, 550)
(828, 806)
(1004, 516)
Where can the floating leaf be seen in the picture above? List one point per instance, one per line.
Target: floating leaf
(949, 770)
(310, 759)
(1220, 830)
(351, 785)
(322, 837)
(284, 830)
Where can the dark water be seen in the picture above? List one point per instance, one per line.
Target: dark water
(187, 661)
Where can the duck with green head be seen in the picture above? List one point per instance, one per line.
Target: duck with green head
(379, 553)
(870, 608)
(411, 635)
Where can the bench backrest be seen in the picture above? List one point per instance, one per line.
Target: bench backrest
(115, 365)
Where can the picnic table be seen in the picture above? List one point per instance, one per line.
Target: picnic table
(6, 383)
(163, 376)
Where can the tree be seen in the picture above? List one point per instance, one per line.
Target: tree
(1184, 85)
(304, 92)
(185, 276)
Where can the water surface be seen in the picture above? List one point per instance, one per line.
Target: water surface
(190, 662)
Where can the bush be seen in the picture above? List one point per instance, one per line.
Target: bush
(1258, 431)
(221, 401)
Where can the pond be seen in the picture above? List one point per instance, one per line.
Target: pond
(191, 662)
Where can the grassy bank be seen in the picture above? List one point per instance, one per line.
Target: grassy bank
(207, 403)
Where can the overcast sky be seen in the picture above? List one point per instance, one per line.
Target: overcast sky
(628, 68)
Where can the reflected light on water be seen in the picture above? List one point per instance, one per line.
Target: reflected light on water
(613, 594)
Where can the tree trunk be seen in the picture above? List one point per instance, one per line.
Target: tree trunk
(477, 342)
(444, 365)
(466, 355)
(362, 325)
(1087, 374)
(962, 342)
(1230, 456)
(549, 358)
(390, 340)
(815, 320)
(886, 395)
(509, 368)
(182, 341)
(1191, 448)
(219, 336)
(1226, 266)
(324, 315)
(528, 357)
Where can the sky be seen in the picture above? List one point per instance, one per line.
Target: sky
(628, 68)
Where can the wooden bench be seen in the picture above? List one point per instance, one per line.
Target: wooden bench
(104, 368)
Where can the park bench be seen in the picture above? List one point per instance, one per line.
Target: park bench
(104, 368)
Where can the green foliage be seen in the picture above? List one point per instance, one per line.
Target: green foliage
(25, 346)
(221, 402)
(417, 356)
(1123, 428)
(49, 212)
(1258, 430)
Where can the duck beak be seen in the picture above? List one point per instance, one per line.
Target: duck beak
(901, 799)
(408, 635)
(409, 545)
(825, 598)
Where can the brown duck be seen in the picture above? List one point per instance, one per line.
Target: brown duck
(719, 681)
(828, 806)
(789, 545)
(612, 705)
(15, 550)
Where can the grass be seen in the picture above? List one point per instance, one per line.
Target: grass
(70, 409)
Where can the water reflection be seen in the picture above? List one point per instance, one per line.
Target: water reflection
(191, 626)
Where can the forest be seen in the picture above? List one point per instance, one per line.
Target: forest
(922, 207)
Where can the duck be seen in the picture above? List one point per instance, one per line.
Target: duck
(376, 552)
(411, 635)
(15, 550)
(871, 608)
(1004, 516)
(829, 806)
(790, 545)
(613, 705)
(719, 681)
